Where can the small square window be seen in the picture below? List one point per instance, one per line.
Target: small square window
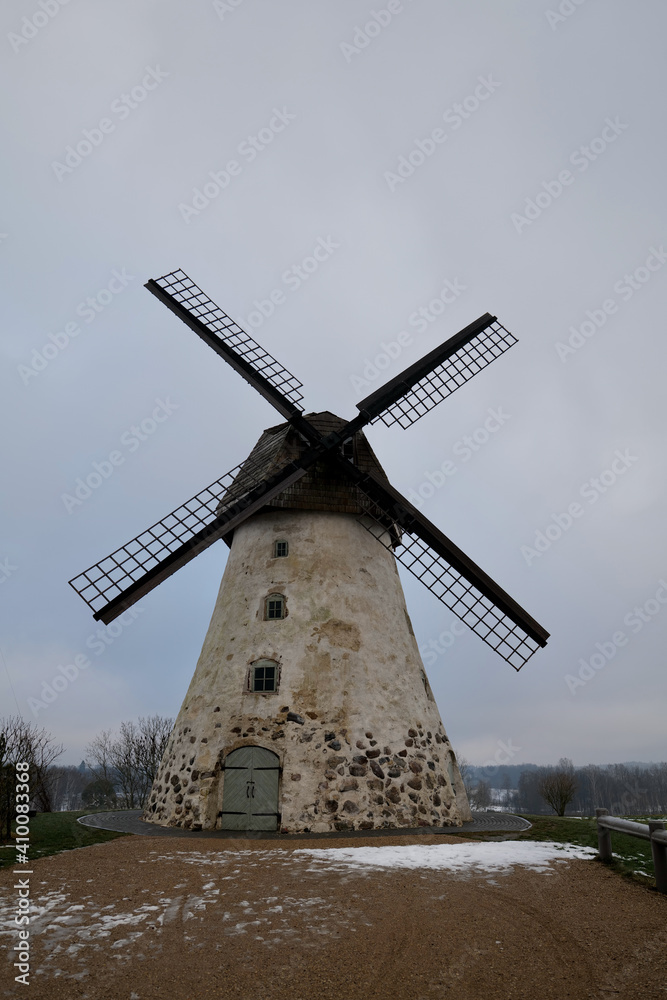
(264, 677)
(274, 607)
(280, 548)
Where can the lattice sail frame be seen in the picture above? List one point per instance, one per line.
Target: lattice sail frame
(446, 378)
(183, 289)
(474, 608)
(111, 577)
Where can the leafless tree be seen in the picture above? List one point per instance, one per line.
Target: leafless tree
(25, 741)
(99, 755)
(6, 790)
(481, 795)
(154, 733)
(507, 788)
(465, 770)
(558, 786)
(624, 789)
(116, 761)
(99, 794)
(67, 783)
(130, 758)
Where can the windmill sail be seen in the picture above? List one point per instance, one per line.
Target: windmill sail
(180, 294)
(117, 582)
(419, 388)
(451, 575)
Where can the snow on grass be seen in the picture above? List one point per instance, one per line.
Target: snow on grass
(487, 857)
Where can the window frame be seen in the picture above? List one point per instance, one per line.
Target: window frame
(348, 449)
(283, 607)
(263, 663)
(279, 542)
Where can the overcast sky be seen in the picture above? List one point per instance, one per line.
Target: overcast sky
(452, 158)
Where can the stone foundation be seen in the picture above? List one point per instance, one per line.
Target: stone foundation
(330, 779)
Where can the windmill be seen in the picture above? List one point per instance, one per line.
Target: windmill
(309, 708)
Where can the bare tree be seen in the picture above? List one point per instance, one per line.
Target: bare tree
(507, 788)
(481, 795)
(25, 741)
(623, 789)
(67, 783)
(558, 786)
(130, 758)
(99, 755)
(115, 757)
(465, 770)
(99, 794)
(154, 733)
(6, 790)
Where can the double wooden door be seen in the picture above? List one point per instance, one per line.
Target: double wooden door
(250, 791)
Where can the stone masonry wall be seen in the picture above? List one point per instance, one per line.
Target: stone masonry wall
(354, 723)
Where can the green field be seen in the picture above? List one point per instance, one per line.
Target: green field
(51, 833)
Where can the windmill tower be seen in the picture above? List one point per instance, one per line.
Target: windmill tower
(309, 708)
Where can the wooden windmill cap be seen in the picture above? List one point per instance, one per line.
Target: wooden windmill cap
(324, 487)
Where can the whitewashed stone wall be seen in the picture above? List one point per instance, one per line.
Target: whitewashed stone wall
(359, 736)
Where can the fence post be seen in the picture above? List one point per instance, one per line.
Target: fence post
(659, 852)
(604, 837)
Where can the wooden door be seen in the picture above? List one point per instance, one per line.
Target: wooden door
(250, 792)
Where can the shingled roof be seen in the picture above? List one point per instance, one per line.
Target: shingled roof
(324, 487)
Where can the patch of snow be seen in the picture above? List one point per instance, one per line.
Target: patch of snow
(488, 857)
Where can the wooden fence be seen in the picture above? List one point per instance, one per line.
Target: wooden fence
(654, 831)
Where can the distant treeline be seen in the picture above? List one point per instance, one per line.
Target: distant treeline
(632, 788)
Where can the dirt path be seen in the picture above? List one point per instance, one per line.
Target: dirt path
(142, 918)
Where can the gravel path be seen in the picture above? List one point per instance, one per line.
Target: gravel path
(128, 821)
(143, 918)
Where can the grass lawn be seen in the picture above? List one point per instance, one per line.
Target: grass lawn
(51, 833)
(632, 857)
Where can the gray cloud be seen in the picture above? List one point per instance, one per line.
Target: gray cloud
(323, 176)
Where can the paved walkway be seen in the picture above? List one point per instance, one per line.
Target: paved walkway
(128, 821)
